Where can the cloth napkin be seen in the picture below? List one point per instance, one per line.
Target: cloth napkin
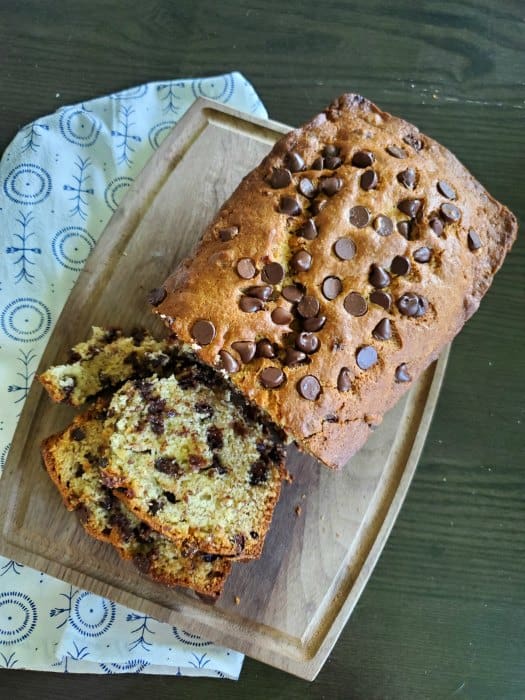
(61, 179)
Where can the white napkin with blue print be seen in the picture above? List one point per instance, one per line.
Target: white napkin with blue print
(61, 179)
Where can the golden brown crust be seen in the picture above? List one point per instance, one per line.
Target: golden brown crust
(208, 286)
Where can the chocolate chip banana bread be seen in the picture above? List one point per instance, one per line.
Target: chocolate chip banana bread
(340, 267)
(73, 459)
(106, 359)
(191, 462)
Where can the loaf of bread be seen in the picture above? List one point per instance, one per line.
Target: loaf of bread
(193, 464)
(74, 458)
(336, 272)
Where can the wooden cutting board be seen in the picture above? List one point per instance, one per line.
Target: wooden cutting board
(329, 528)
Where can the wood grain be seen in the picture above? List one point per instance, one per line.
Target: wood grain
(443, 613)
(293, 602)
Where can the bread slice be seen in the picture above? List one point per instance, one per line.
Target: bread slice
(340, 267)
(73, 458)
(105, 360)
(187, 459)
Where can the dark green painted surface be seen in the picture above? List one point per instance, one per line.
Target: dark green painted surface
(444, 613)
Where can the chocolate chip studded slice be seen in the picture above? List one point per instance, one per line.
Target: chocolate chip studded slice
(226, 234)
(382, 299)
(264, 348)
(250, 304)
(289, 206)
(294, 161)
(281, 316)
(273, 273)
(422, 255)
(396, 151)
(473, 240)
(436, 225)
(293, 357)
(203, 331)
(301, 261)
(400, 265)
(344, 379)
(307, 343)
(308, 307)
(228, 362)
(355, 304)
(402, 374)
(331, 185)
(261, 291)
(309, 387)
(271, 377)
(363, 159)
(446, 189)
(450, 212)
(281, 177)
(308, 230)
(378, 277)
(332, 287)
(246, 268)
(383, 225)
(369, 180)
(410, 206)
(407, 178)
(156, 296)
(366, 357)
(307, 188)
(344, 248)
(246, 350)
(359, 216)
(314, 324)
(383, 330)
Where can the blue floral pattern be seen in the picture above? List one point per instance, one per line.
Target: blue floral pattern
(61, 179)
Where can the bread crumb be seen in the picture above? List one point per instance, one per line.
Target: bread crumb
(237, 600)
(298, 510)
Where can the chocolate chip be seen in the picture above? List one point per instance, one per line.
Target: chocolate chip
(382, 299)
(307, 342)
(407, 178)
(396, 151)
(168, 465)
(273, 273)
(400, 265)
(344, 380)
(473, 240)
(332, 162)
(214, 438)
(292, 293)
(411, 304)
(332, 287)
(246, 350)
(363, 159)
(307, 188)
(369, 180)
(170, 496)
(314, 324)
(289, 206)
(250, 304)
(156, 296)
(436, 225)
(414, 141)
(154, 506)
(318, 205)
(422, 255)
(254, 535)
(410, 206)
(383, 330)
(309, 387)
(450, 212)
(293, 357)
(264, 348)
(331, 185)
(281, 316)
(331, 150)
(258, 475)
(378, 277)
(294, 161)
(366, 357)
(344, 248)
(308, 307)
(318, 163)
(228, 362)
(383, 225)
(355, 304)
(308, 231)
(301, 261)
(359, 216)
(446, 189)
(263, 292)
(77, 434)
(281, 177)
(402, 374)
(405, 228)
(204, 408)
(246, 268)
(271, 377)
(226, 234)
(203, 331)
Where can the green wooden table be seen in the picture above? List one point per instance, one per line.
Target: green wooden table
(444, 613)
